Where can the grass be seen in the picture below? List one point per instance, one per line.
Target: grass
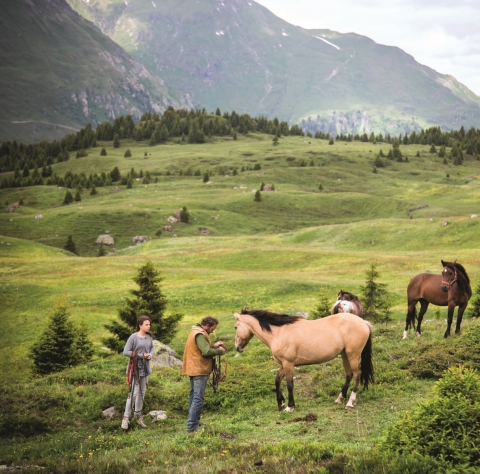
(276, 254)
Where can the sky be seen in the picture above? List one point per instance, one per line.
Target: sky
(441, 34)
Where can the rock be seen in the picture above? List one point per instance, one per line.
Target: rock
(104, 239)
(140, 239)
(158, 415)
(167, 228)
(172, 219)
(473, 216)
(164, 356)
(303, 314)
(39, 216)
(110, 413)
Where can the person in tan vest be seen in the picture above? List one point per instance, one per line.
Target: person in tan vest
(197, 364)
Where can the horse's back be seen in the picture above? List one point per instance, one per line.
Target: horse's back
(427, 286)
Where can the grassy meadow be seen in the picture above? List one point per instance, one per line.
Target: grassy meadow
(328, 220)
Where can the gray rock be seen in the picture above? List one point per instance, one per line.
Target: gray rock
(164, 356)
(105, 239)
(110, 413)
(158, 415)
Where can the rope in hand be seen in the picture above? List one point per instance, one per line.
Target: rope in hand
(217, 376)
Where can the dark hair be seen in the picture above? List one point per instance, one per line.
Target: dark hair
(209, 321)
(141, 320)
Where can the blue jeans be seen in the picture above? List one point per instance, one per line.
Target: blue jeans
(198, 384)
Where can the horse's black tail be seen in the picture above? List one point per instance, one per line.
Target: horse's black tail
(366, 363)
(411, 318)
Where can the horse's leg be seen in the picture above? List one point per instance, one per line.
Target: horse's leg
(355, 370)
(451, 310)
(348, 378)
(461, 309)
(278, 389)
(410, 321)
(423, 309)
(288, 369)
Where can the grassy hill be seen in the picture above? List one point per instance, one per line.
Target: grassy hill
(239, 56)
(276, 254)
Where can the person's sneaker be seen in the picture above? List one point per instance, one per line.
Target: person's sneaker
(140, 421)
(125, 423)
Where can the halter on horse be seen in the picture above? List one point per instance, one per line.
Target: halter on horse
(451, 288)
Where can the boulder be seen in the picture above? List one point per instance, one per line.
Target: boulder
(140, 239)
(104, 239)
(164, 356)
(110, 413)
(172, 219)
(158, 415)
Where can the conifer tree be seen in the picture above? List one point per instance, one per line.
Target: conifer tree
(93, 191)
(116, 141)
(77, 197)
(70, 245)
(129, 183)
(82, 349)
(103, 152)
(258, 196)
(184, 215)
(68, 199)
(375, 297)
(474, 307)
(148, 300)
(53, 350)
(323, 306)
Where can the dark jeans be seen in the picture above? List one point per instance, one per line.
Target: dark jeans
(198, 384)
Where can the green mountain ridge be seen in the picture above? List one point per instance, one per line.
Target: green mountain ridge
(59, 72)
(237, 55)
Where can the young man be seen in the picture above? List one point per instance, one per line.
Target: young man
(197, 363)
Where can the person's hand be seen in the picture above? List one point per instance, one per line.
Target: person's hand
(147, 356)
(220, 344)
(222, 350)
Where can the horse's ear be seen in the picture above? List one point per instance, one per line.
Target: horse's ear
(443, 263)
(236, 315)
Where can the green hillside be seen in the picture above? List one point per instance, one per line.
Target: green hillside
(329, 219)
(239, 56)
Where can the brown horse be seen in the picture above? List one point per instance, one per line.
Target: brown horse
(451, 288)
(295, 341)
(347, 303)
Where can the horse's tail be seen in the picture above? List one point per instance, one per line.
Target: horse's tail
(366, 363)
(412, 317)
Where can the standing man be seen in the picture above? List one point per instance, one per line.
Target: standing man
(198, 364)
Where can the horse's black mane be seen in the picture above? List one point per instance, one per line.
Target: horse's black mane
(267, 318)
(458, 266)
(354, 297)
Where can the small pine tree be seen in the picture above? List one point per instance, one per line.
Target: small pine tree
(129, 183)
(184, 215)
(375, 297)
(20, 202)
(331, 141)
(53, 350)
(474, 308)
(103, 152)
(93, 191)
(375, 170)
(70, 245)
(323, 306)
(77, 197)
(116, 141)
(68, 199)
(320, 187)
(128, 153)
(262, 186)
(82, 349)
(275, 140)
(150, 301)
(258, 196)
(158, 233)
(206, 177)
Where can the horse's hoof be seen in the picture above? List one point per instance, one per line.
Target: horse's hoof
(348, 406)
(418, 334)
(289, 409)
(405, 335)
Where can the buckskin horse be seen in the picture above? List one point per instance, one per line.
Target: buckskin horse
(295, 341)
(451, 288)
(347, 303)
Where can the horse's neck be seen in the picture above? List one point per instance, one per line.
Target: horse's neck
(463, 282)
(265, 336)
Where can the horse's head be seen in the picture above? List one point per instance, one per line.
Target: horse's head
(243, 334)
(340, 295)
(449, 275)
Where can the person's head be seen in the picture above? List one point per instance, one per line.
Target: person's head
(144, 322)
(209, 324)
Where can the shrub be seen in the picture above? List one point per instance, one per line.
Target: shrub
(446, 427)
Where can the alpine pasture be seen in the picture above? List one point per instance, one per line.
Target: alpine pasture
(328, 220)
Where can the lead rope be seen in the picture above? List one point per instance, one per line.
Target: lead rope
(217, 376)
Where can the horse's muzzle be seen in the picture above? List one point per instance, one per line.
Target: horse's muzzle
(445, 288)
(239, 348)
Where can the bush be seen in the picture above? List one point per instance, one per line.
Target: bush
(446, 427)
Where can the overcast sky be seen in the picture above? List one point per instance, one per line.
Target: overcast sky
(441, 34)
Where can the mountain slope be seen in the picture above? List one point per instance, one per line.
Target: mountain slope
(237, 55)
(58, 72)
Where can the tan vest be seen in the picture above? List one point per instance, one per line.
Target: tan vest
(193, 361)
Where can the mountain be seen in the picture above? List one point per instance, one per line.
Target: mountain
(58, 72)
(237, 55)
